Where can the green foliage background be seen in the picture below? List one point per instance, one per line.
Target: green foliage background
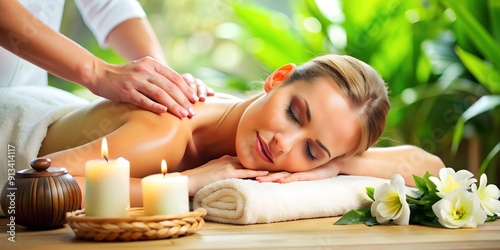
(440, 58)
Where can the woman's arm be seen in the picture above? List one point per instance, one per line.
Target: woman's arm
(377, 162)
(385, 162)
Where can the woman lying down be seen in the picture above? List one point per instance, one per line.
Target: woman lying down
(314, 121)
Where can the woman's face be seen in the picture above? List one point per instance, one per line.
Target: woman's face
(296, 127)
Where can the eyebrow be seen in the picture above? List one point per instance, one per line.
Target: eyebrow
(324, 148)
(308, 115)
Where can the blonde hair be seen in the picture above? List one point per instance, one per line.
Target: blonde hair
(360, 84)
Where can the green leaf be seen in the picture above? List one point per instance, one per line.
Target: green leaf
(430, 199)
(491, 218)
(488, 158)
(371, 222)
(485, 103)
(483, 41)
(354, 217)
(420, 184)
(431, 223)
(494, 15)
(370, 191)
(483, 72)
(431, 187)
(281, 44)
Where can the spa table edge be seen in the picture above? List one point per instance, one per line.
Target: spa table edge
(300, 234)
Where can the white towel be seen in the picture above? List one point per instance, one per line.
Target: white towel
(25, 114)
(238, 201)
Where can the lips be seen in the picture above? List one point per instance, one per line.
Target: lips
(262, 149)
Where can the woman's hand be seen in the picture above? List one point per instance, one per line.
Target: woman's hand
(327, 170)
(226, 167)
(149, 84)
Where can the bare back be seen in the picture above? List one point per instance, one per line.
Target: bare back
(136, 134)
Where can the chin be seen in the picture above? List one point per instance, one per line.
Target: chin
(245, 160)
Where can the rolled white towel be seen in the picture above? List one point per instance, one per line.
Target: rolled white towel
(238, 201)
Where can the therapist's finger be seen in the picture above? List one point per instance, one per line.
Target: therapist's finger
(201, 90)
(198, 86)
(153, 98)
(176, 79)
(170, 95)
(139, 99)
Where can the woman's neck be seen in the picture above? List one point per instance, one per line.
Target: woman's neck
(219, 135)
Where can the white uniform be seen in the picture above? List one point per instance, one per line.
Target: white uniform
(101, 16)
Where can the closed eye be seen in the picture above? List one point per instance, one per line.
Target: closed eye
(291, 115)
(309, 152)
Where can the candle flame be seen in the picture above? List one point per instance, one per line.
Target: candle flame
(104, 148)
(163, 167)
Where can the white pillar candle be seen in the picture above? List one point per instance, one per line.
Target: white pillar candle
(107, 186)
(164, 194)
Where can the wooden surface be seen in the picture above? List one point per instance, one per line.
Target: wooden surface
(301, 234)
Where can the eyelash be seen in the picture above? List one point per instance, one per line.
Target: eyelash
(309, 153)
(292, 117)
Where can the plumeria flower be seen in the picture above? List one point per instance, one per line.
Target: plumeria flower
(488, 196)
(459, 208)
(390, 202)
(449, 180)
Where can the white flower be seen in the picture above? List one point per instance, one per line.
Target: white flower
(449, 180)
(459, 208)
(488, 196)
(390, 202)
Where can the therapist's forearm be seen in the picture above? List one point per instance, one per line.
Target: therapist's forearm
(134, 39)
(24, 35)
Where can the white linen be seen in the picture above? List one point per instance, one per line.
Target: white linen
(26, 112)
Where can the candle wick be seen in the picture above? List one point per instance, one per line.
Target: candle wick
(164, 174)
(105, 158)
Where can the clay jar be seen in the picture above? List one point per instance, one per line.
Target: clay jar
(43, 196)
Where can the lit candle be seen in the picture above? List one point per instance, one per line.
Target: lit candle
(165, 193)
(107, 186)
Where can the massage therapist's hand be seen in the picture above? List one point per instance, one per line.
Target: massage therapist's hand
(226, 167)
(330, 169)
(146, 82)
(199, 87)
(149, 84)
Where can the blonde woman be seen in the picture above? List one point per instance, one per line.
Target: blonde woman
(313, 121)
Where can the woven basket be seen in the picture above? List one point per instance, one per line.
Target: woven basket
(136, 227)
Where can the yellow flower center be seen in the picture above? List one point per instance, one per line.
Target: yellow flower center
(450, 184)
(459, 213)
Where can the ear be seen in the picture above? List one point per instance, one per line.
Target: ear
(278, 76)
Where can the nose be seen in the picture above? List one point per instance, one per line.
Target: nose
(283, 143)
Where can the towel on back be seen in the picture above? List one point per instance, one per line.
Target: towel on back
(238, 201)
(25, 114)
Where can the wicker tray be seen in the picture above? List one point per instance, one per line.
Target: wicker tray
(136, 227)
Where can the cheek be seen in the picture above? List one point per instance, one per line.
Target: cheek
(296, 163)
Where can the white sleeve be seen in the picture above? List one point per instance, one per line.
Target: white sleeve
(102, 16)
